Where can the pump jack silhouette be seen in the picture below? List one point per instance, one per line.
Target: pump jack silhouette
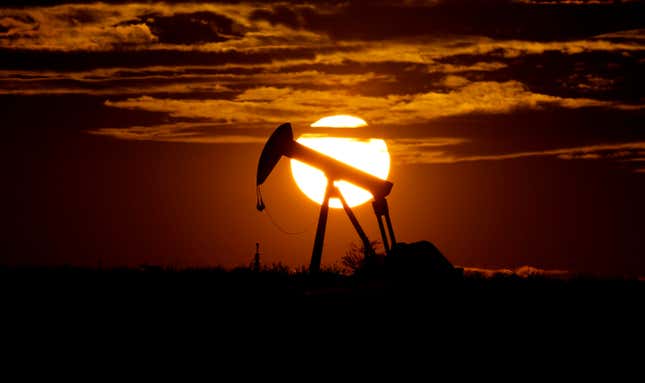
(281, 143)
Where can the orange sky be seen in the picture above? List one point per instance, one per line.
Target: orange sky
(133, 130)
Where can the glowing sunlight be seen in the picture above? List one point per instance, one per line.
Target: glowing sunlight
(339, 121)
(369, 155)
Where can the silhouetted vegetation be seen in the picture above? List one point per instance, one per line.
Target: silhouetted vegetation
(279, 282)
(356, 257)
(277, 300)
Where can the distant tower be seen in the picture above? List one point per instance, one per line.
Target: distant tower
(256, 259)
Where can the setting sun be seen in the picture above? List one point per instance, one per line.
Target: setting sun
(370, 155)
(339, 121)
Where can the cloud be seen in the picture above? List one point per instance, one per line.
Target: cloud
(179, 132)
(16, 25)
(171, 134)
(271, 106)
(422, 150)
(106, 27)
(136, 34)
(522, 271)
(573, 2)
(246, 65)
(281, 14)
(627, 151)
(128, 90)
(165, 79)
(483, 97)
(497, 19)
(422, 33)
(73, 27)
(476, 67)
(452, 81)
(187, 28)
(428, 50)
(592, 82)
(633, 34)
(274, 105)
(267, 105)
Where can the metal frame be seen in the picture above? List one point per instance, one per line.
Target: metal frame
(281, 143)
(380, 209)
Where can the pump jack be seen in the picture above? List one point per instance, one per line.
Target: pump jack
(281, 143)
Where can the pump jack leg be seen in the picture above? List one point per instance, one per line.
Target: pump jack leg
(381, 209)
(316, 256)
(366, 242)
(386, 245)
(389, 228)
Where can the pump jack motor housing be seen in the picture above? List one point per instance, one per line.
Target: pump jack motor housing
(281, 143)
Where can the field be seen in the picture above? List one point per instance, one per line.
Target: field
(234, 308)
(154, 285)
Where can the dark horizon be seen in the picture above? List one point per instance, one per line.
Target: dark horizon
(515, 129)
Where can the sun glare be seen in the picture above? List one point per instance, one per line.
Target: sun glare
(370, 155)
(339, 121)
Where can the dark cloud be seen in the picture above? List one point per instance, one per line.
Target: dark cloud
(282, 15)
(190, 28)
(83, 60)
(602, 75)
(174, 82)
(516, 128)
(66, 116)
(495, 19)
(83, 15)
(16, 25)
(535, 130)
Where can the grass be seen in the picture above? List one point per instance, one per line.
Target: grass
(279, 281)
(293, 304)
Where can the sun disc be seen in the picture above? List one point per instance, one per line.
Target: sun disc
(339, 121)
(368, 155)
